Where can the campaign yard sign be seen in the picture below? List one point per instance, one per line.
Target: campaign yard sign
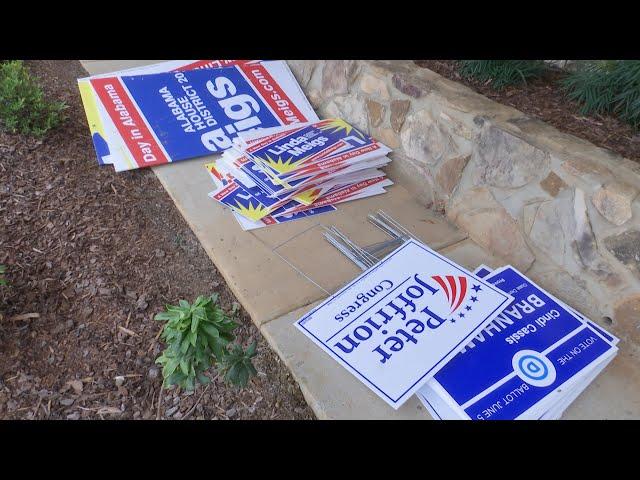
(482, 271)
(250, 176)
(534, 354)
(312, 148)
(557, 410)
(106, 141)
(399, 322)
(281, 215)
(157, 118)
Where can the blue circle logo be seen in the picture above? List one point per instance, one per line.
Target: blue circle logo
(534, 368)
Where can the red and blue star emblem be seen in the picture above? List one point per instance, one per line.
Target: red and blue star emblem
(455, 289)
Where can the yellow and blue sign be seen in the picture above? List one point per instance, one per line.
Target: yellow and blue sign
(320, 141)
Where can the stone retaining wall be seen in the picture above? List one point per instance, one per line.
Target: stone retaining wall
(553, 205)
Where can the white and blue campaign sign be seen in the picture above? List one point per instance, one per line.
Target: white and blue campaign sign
(482, 271)
(524, 362)
(157, 118)
(402, 320)
(315, 147)
(109, 147)
(557, 410)
(439, 409)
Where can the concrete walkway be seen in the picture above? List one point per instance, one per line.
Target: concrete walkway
(280, 272)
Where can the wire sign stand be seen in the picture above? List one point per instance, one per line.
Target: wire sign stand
(367, 257)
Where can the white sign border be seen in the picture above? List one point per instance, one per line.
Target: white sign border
(396, 403)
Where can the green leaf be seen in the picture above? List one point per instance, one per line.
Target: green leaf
(251, 351)
(201, 355)
(232, 373)
(184, 344)
(242, 377)
(164, 316)
(170, 367)
(195, 321)
(184, 366)
(237, 366)
(210, 330)
(227, 337)
(198, 315)
(176, 378)
(217, 347)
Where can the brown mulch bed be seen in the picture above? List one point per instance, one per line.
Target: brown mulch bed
(543, 99)
(96, 255)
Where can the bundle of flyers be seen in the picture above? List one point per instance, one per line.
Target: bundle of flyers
(471, 345)
(531, 362)
(281, 174)
(183, 109)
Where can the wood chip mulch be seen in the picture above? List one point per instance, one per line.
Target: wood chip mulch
(92, 256)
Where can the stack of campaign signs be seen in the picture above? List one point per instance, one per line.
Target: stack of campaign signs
(531, 362)
(282, 174)
(280, 162)
(483, 345)
(185, 109)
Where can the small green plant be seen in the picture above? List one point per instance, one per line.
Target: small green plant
(3, 270)
(501, 73)
(198, 336)
(607, 86)
(23, 107)
(236, 365)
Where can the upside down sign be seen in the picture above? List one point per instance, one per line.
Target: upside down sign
(401, 321)
(148, 117)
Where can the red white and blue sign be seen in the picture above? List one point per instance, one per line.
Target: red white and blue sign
(156, 118)
(401, 321)
(323, 145)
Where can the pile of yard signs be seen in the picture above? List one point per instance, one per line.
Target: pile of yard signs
(184, 109)
(279, 163)
(531, 362)
(281, 174)
(483, 345)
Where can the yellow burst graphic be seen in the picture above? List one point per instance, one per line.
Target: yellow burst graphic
(337, 124)
(279, 165)
(251, 212)
(307, 197)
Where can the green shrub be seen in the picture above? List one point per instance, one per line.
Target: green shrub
(199, 336)
(3, 269)
(607, 86)
(23, 107)
(501, 73)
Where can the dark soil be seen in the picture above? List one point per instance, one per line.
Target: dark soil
(543, 99)
(96, 255)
